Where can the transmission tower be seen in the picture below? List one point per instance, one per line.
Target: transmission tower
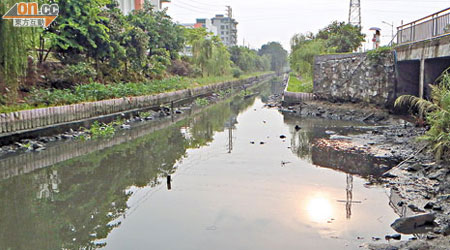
(354, 16)
(229, 12)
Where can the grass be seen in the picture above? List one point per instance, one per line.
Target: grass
(304, 85)
(39, 98)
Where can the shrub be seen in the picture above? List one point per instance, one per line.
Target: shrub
(79, 73)
(437, 114)
(180, 68)
(237, 73)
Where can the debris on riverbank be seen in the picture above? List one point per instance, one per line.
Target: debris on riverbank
(419, 185)
(123, 123)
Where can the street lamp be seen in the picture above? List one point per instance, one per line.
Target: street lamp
(392, 26)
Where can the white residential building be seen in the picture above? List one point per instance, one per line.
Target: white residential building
(128, 6)
(226, 29)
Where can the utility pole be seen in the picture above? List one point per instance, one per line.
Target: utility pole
(354, 16)
(229, 12)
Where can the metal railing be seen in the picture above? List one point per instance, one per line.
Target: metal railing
(434, 25)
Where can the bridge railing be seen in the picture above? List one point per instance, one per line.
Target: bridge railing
(434, 25)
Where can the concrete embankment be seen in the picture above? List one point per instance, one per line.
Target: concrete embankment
(46, 121)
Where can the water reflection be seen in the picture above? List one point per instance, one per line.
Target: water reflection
(320, 209)
(117, 195)
(70, 204)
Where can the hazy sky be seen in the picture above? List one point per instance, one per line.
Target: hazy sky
(261, 21)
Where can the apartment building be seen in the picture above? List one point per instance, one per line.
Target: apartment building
(226, 29)
(127, 6)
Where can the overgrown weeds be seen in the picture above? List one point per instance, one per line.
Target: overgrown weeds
(305, 85)
(436, 112)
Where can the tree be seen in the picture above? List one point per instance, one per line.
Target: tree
(163, 33)
(209, 53)
(14, 46)
(277, 53)
(79, 30)
(341, 36)
(302, 58)
(248, 60)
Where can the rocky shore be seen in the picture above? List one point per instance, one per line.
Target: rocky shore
(420, 186)
(127, 122)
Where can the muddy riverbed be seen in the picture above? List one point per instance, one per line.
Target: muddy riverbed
(238, 175)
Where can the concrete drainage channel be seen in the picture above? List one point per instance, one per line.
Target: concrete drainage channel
(30, 124)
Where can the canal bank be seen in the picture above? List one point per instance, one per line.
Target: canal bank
(419, 186)
(30, 124)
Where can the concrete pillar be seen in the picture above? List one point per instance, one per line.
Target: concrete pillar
(422, 78)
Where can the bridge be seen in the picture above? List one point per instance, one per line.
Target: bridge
(423, 53)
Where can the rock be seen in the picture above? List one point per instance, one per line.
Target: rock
(414, 168)
(36, 145)
(414, 224)
(446, 230)
(297, 127)
(389, 175)
(437, 208)
(66, 137)
(149, 118)
(125, 126)
(431, 237)
(376, 238)
(414, 208)
(262, 143)
(178, 112)
(429, 205)
(44, 140)
(283, 137)
(340, 137)
(40, 149)
(252, 142)
(396, 236)
(329, 132)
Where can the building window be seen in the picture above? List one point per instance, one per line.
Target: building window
(222, 27)
(222, 32)
(227, 32)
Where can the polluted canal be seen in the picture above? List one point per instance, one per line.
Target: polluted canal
(237, 175)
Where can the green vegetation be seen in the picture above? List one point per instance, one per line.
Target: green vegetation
(377, 55)
(39, 98)
(248, 60)
(202, 102)
(338, 37)
(437, 115)
(278, 56)
(245, 93)
(92, 43)
(100, 130)
(14, 44)
(301, 86)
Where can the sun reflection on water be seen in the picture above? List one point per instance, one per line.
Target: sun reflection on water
(320, 209)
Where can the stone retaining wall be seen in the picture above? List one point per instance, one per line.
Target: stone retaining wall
(355, 78)
(38, 118)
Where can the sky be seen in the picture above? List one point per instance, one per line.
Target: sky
(262, 21)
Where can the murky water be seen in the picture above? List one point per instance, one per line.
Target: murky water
(234, 184)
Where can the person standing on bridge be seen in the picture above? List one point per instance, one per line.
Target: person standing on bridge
(376, 39)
